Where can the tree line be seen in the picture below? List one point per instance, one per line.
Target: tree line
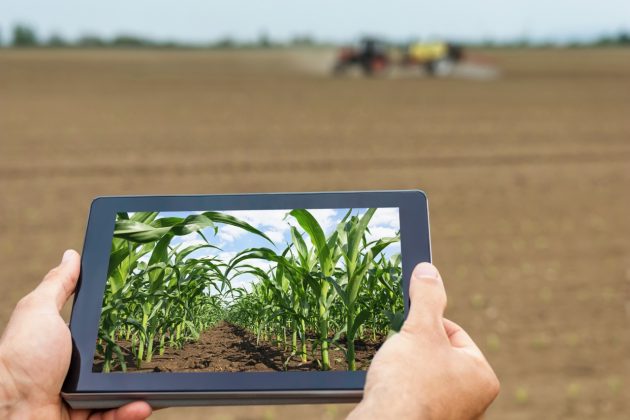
(25, 36)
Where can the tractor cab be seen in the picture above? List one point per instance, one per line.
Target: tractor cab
(370, 56)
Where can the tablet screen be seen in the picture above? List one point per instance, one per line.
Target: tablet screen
(250, 290)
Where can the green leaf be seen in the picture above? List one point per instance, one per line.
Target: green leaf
(358, 321)
(233, 221)
(340, 291)
(356, 234)
(117, 350)
(254, 253)
(383, 243)
(300, 245)
(318, 239)
(192, 223)
(115, 258)
(167, 222)
(144, 216)
(160, 252)
(183, 253)
(311, 227)
(137, 231)
(396, 320)
(137, 326)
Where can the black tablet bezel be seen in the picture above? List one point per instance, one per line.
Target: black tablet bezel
(415, 248)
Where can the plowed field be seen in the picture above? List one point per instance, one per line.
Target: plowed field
(528, 177)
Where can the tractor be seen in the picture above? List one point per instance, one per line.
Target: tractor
(374, 57)
(371, 57)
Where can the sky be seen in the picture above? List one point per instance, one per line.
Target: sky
(331, 20)
(384, 223)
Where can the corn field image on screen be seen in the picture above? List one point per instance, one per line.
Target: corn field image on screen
(250, 290)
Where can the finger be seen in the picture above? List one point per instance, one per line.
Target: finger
(75, 414)
(456, 334)
(60, 282)
(458, 337)
(138, 410)
(428, 299)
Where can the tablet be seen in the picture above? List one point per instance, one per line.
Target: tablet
(240, 299)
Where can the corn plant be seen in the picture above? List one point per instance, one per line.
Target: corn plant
(324, 290)
(310, 284)
(166, 295)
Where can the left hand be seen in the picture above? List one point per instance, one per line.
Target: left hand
(35, 352)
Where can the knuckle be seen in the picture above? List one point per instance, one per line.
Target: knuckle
(411, 326)
(59, 275)
(52, 274)
(26, 302)
(492, 384)
(66, 280)
(495, 385)
(422, 330)
(488, 380)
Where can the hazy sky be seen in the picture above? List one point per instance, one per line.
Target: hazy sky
(203, 20)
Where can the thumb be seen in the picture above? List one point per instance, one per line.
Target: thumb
(60, 282)
(428, 300)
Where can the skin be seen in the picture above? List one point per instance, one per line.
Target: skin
(35, 354)
(431, 369)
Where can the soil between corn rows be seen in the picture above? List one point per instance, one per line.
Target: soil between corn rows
(229, 348)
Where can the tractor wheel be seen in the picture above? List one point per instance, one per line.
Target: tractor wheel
(430, 67)
(375, 67)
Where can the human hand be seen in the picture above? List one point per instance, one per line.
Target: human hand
(35, 352)
(431, 369)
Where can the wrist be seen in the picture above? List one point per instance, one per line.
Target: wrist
(372, 407)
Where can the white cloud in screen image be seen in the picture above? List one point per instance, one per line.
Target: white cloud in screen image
(379, 232)
(226, 255)
(277, 236)
(229, 233)
(270, 222)
(384, 224)
(386, 217)
(188, 240)
(276, 225)
(245, 281)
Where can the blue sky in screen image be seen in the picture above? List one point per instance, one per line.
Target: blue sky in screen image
(275, 224)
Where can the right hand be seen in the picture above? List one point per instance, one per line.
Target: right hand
(432, 369)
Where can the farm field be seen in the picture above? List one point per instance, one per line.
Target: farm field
(527, 176)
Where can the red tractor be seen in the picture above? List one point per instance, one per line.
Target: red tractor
(371, 57)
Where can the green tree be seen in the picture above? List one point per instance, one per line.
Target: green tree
(24, 36)
(57, 41)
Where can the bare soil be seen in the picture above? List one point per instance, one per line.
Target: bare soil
(229, 348)
(528, 178)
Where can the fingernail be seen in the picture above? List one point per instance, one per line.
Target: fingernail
(66, 256)
(425, 270)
